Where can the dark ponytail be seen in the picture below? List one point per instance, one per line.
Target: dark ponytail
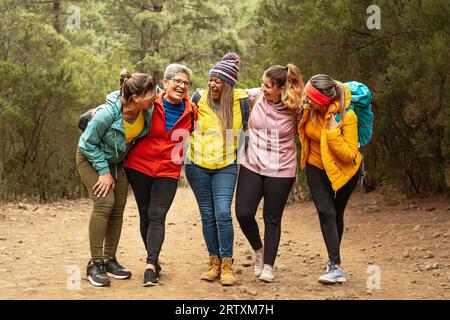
(139, 84)
(124, 75)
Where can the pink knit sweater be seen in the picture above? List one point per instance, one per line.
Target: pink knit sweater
(271, 150)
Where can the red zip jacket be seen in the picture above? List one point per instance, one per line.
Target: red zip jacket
(160, 154)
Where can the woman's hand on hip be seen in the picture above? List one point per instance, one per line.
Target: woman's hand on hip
(104, 184)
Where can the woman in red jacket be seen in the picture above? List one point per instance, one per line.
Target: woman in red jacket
(154, 163)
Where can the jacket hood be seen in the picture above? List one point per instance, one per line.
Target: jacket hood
(113, 100)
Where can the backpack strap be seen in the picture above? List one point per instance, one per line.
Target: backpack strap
(192, 121)
(196, 97)
(194, 113)
(363, 173)
(245, 112)
(252, 104)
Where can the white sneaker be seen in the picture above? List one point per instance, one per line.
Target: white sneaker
(267, 275)
(259, 264)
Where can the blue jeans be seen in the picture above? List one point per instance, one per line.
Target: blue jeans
(214, 191)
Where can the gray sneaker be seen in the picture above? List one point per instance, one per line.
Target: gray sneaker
(115, 270)
(333, 275)
(96, 273)
(329, 264)
(259, 264)
(267, 275)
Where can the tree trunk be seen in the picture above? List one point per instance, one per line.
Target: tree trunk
(56, 13)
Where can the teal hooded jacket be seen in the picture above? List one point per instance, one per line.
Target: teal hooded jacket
(104, 140)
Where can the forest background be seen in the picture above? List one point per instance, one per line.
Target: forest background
(60, 58)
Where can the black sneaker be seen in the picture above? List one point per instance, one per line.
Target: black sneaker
(115, 270)
(158, 270)
(150, 278)
(96, 274)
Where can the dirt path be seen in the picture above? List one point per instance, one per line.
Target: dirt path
(409, 245)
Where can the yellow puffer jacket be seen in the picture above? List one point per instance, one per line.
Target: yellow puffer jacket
(207, 147)
(339, 147)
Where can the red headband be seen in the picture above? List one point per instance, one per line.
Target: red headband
(316, 95)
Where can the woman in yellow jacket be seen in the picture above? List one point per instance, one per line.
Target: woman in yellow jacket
(211, 168)
(332, 160)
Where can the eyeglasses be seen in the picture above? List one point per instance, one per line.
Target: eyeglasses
(179, 82)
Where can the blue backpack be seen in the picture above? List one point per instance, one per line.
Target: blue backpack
(361, 104)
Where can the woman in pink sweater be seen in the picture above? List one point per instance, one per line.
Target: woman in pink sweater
(269, 164)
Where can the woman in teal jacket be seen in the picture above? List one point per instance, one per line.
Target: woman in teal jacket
(102, 147)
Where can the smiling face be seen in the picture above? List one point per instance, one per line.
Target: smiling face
(215, 86)
(176, 88)
(271, 91)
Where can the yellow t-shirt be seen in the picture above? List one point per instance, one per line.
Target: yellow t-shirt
(132, 130)
(313, 132)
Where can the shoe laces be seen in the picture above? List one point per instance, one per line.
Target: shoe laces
(226, 265)
(99, 265)
(114, 264)
(331, 267)
(214, 263)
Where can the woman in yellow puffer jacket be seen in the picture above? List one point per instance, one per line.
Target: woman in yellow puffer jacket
(332, 160)
(211, 164)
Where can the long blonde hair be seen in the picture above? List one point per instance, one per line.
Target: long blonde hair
(224, 108)
(291, 78)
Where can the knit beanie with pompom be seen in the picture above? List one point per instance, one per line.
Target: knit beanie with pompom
(227, 69)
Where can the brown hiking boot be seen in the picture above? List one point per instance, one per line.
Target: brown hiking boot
(227, 277)
(214, 269)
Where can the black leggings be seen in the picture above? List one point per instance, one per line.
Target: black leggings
(330, 209)
(154, 197)
(251, 187)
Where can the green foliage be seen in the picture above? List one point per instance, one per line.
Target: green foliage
(46, 82)
(405, 63)
(51, 73)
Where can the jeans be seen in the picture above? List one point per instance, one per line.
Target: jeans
(214, 191)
